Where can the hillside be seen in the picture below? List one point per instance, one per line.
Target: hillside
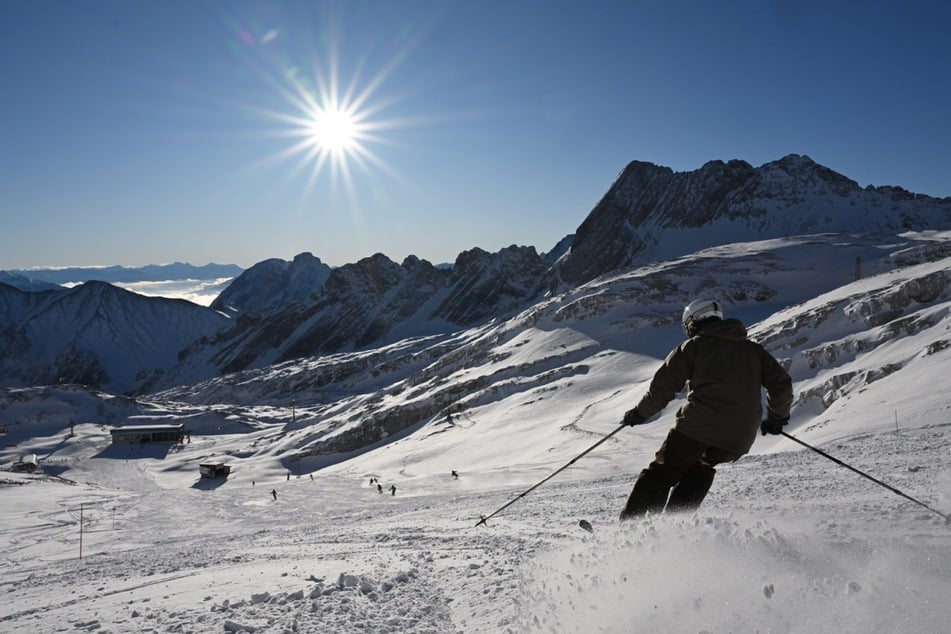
(787, 540)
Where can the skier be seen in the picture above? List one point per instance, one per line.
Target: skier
(726, 373)
(379, 488)
(392, 489)
(274, 493)
(455, 476)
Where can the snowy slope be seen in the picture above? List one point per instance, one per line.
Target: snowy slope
(595, 335)
(787, 541)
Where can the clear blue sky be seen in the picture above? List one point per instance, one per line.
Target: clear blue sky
(149, 132)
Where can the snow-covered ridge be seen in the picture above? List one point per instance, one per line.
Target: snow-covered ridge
(803, 292)
(96, 334)
(654, 213)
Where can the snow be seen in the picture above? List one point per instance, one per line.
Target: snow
(786, 541)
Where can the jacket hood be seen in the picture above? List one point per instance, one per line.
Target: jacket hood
(731, 329)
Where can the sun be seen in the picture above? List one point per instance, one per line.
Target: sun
(334, 130)
(332, 122)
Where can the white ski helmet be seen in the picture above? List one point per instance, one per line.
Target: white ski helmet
(700, 309)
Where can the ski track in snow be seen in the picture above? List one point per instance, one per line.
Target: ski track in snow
(786, 542)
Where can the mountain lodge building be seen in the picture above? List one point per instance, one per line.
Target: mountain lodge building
(130, 434)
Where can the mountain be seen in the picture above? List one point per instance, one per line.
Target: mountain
(367, 304)
(123, 274)
(273, 283)
(822, 320)
(95, 334)
(286, 311)
(649, 213)
(844, 338)
(26, 283)
(653, 213)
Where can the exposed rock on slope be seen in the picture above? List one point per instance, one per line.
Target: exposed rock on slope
(654, 213)
(272, 283)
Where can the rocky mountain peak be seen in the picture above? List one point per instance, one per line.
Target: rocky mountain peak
(651, 212)
(806, 173)
(274, 282)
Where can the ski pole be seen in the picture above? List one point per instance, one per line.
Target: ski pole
(947, 518)
(573, 460)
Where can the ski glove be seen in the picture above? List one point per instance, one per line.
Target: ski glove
(773, 425)
(631, 418)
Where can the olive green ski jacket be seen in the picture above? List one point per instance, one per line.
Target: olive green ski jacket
(726, 373)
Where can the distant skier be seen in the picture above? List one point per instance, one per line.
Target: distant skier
(393, 489)
(726, 373)
(379, 488)
(455, 475)
(274, 493)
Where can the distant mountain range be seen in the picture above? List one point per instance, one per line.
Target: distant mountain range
(40, 278)
(279, 311)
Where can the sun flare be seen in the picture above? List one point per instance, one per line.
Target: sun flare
(331, 118)
(334, 130)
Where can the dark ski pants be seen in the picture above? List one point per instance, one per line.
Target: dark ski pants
(682, 464)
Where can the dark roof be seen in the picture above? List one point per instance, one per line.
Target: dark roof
(138, 429)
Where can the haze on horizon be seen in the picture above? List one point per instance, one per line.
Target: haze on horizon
(347, 129)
